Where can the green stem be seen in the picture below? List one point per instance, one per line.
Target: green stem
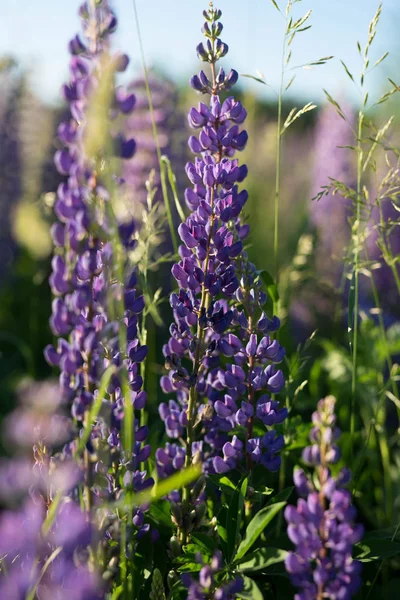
(278, 168)
(356, 277)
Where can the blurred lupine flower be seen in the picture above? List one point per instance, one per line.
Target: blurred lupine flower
(322, 526)
(87, 290)
(41, 424)
(206, 587)
(25, 550)
(385, 228)
(330, 214)
(169, 124)
(212, 239)
(39, 417)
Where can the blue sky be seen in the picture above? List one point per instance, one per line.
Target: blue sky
(37, 32)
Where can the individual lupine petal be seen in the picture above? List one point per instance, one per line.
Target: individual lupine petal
(123, 147)
(121, 62)
(126, 102)
(186, 236)
(220, 466)
(63, 161)
(76, 46)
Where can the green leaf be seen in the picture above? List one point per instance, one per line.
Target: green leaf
(205, 542)
(284, 495)
(172, 183)
(376, 549)
(257, 526)
(251, 591)
(261, 559)
(160, 512)
(234, 517)
(160, 489)
(270, 285)
(222, 533)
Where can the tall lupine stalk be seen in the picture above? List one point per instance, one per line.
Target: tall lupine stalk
(218, 310)
(205, 273)
(322, 526)
(96, 306)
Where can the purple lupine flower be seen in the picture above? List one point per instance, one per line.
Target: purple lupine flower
(330, 214)
(322, 525)
(25, 548)
(330, 217)
(212, 240)
(85, 314)
(243, 391)
(207, 587)
(215, 395)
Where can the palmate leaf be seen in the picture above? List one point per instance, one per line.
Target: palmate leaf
(205, 542)
(257, 526)
(370, 550)
(251, 591)
(262, 558)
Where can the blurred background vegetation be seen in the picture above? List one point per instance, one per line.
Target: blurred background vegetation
(314, 265)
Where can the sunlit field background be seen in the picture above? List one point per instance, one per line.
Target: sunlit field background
(338, 220)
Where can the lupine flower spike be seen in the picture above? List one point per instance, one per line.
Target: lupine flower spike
(205, 274)
(322, 525)
(93, 333)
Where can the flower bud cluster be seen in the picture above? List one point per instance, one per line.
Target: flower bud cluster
(322, 525)
(207, 587)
